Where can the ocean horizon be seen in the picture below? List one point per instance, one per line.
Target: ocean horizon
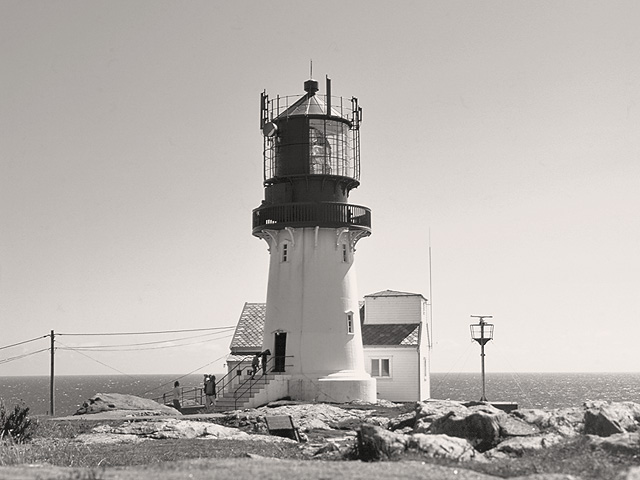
(528, 390)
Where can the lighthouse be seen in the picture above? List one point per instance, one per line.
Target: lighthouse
(311, 155)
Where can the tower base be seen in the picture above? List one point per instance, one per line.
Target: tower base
(340, 387)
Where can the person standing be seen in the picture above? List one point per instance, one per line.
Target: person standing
(176, 396)
(265, 354)
(205, 386)
(210, 390)
(255, 365)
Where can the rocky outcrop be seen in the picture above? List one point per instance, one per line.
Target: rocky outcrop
(605, 419)
(435, 429)
(124, 405)
(376, 443)
(167, 428)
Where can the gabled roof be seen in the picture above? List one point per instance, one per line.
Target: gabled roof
(393, 293)
(248, 334)
(390, 334)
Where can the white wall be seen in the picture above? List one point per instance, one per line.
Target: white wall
(402, 309)
(403, 385)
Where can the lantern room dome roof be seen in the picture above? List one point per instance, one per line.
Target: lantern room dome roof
(310, 104)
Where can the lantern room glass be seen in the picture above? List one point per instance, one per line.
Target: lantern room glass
(330, 151)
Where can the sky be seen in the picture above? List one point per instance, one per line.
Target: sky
(503, 136)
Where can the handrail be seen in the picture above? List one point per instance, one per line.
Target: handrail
(221, 384)
(253, 379)
(199, 391)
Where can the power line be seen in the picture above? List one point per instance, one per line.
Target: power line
(186, 374)
(106, 349)
(149, 333)
(26, 341)
(99, 347)
(97, 361)
(18, 357)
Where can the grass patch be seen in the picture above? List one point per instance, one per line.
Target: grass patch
(54, 444)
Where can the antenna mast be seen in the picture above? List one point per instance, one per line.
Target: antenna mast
(430, 296)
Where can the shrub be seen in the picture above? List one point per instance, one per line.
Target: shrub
(15, 424)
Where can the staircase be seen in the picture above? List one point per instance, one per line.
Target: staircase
(243, 395)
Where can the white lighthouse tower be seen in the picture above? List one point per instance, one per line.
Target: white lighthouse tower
(312, 322)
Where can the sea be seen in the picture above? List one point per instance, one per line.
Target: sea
(528, 390)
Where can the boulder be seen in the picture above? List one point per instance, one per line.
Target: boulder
(429, 410)
(113, 402)
(376, 443)
(443, 446)
(511, 426)
(533, 416)
(619, 443)
(516, 446)
(480, 428)
(605, 419)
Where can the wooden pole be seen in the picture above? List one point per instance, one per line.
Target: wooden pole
(52, 379)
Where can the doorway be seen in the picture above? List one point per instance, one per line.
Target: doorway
(280, 347)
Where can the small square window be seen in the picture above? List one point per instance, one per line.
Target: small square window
(380, 367)
(285, 252)
(345, 253)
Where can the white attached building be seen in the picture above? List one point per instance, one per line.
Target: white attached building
(395, 337)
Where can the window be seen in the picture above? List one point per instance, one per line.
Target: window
(345, 253)
(285, 252)
(349, 322)
(380, 367)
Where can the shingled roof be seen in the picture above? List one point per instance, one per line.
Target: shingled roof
(247, 338)
(386, 334)
(248, 335)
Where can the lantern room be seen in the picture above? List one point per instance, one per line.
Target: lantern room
(311, 154)
(315, 137)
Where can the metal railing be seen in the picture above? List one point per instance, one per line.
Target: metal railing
(196, 394)
(246, 388)
(342, 107)
(188, 396)
(325, 214)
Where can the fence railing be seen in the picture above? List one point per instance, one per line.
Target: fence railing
(327, 214)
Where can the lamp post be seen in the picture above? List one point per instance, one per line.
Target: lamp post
(482, 332)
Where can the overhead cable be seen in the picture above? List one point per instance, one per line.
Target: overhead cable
(26, 341)
(149, 333)
(106, 349)
(18, 357)
(98, 347)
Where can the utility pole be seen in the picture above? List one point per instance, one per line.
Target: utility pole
(52, 379)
